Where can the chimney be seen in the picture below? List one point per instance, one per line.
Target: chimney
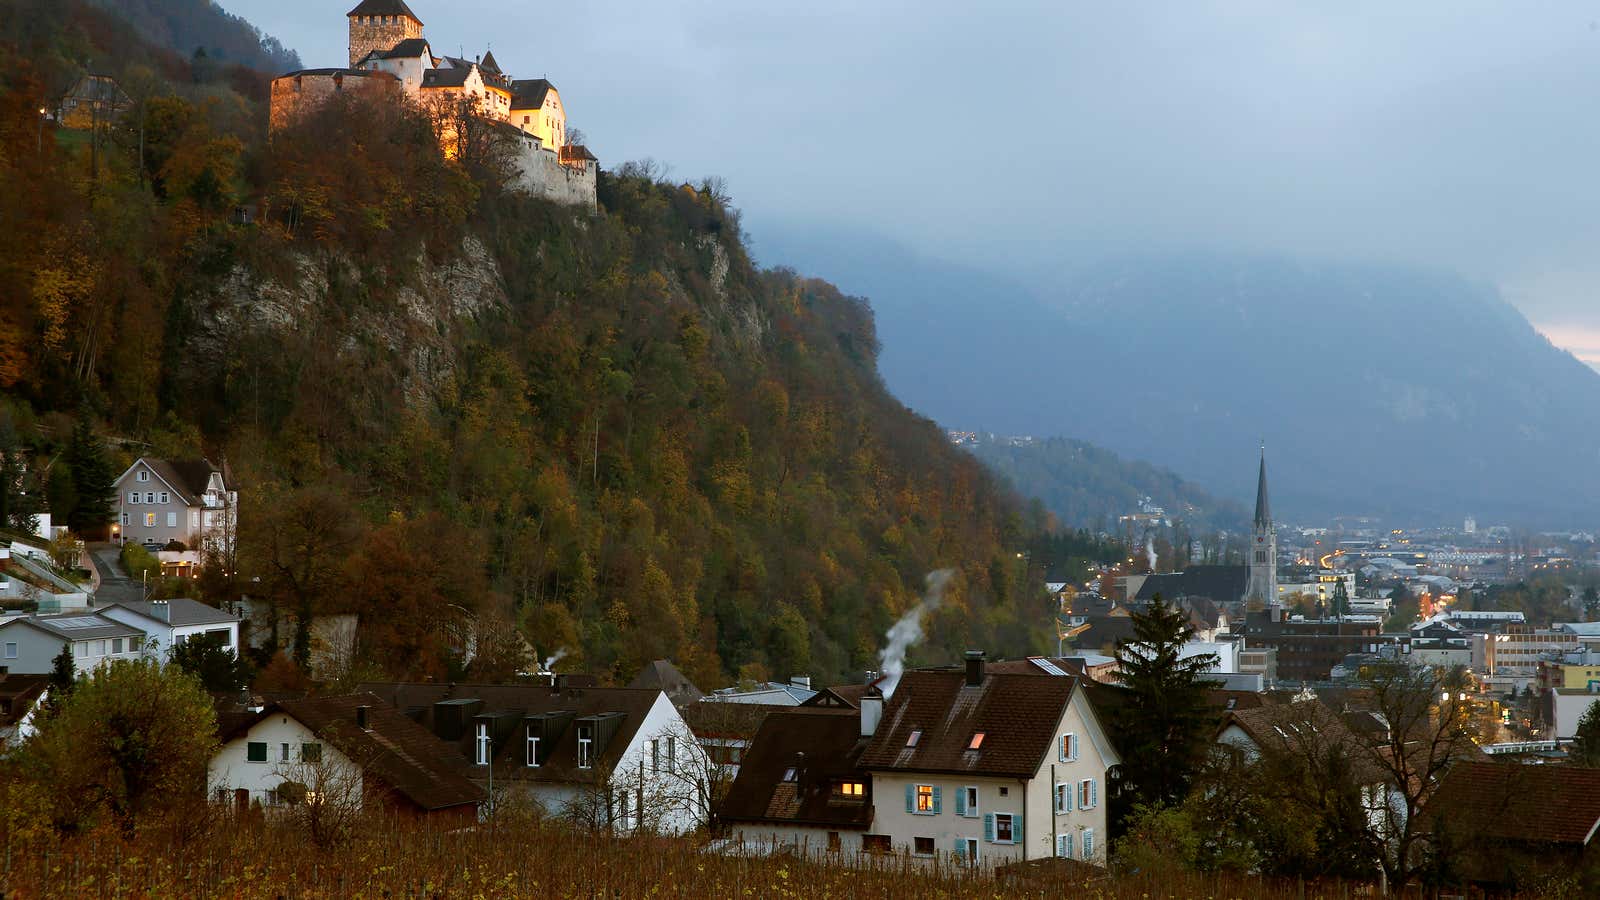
(361, 718)
(162, 610)
(974, 668)
(800, 681)
(871, 710)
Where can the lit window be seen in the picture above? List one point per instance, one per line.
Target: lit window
(585, 746)
(976, 742)
(850, 790)
(915, 736)
(925, 799)
(150, 520)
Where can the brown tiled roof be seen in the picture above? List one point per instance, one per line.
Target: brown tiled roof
(1307, 726)
(188, 477)
(839, 696)
(1511, 801)
(577, 152)
(383, 8)
(17, 695)
(396, 751)
(1018, 715)
(822, 746)
(510, 704)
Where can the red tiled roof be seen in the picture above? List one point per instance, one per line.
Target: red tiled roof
(1511, 801)
(1017, 714)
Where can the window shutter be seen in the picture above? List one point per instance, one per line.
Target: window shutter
(938, 799)
(1094, 793)
(988, 827)
(1068, 838)
(1088, 843)
(961, 848)
(911, 798)
(1018, 836)
(961, 802)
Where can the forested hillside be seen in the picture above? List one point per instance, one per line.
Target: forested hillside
(458, 411)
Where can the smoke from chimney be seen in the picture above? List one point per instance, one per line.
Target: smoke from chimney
(908, 630)
(1150, 551)
(555, 658)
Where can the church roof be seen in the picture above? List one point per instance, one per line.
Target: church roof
(1263, 509)
(1223, 584)
(383, 8)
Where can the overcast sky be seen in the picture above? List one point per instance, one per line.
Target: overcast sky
(1016, 135)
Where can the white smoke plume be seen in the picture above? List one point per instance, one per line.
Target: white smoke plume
(908, 631)
(1150, 551)
(550, 661)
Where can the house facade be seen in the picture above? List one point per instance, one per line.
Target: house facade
(353, 750)
(614, 758)
(800, 788)
(159, 501)
(166, 623)
(29, 644)
(987, 768)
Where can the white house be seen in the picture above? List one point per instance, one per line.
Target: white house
(619, 758)
(29, 644)
(987, 768)
(169, 622)
(353, 750)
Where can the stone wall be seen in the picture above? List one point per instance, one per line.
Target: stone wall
(300, 92)
(373, 34)
(540, 173)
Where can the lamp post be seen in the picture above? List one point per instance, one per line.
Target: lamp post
(43, 112)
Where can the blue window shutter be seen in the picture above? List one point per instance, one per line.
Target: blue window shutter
(988, 827)
(1017, 834)
(938, 799)
(1094, 793)
(961, 848)
(961, 802)
(911, 798)
(1068, 837)
(1074, 746)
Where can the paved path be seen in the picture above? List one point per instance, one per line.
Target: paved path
(115, 585)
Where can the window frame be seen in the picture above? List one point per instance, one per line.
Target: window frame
(250, 752)
(11, 650)
(531, 748)
(923, 805)
(585, 746)
(481, 753)
(919, 842)
(1011, 827)
(1062, 797)
(310, 751)
(971, 795)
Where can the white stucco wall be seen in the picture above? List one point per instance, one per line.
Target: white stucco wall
(230, 768)
(540, 173)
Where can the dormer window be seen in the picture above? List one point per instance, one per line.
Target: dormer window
(850, 790)
(914, 738)
(791, 774)
(976, 742)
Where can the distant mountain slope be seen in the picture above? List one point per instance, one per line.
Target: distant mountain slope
(190, 25)
(1089, 487)
(1378, 389)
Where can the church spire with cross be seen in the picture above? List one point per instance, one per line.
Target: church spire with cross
(1263, 559)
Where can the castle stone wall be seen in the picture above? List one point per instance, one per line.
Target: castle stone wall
(540, 173)
(369, 33)
(300, 92)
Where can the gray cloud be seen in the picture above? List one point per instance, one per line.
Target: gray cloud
(1027, 134)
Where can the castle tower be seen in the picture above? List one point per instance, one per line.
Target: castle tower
(1263, 546)
(379, 25)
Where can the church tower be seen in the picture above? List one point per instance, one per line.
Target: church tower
(379, 25)
(1263, 546)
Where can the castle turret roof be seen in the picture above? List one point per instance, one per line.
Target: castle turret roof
(384, 8)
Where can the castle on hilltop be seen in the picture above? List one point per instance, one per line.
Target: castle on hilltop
(390, 58)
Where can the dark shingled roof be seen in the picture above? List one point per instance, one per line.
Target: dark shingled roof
(529, 93)
(383, 8)
(488, 63)
(822, 746)
(509, 705)
(1018, 715)
(662, 675)
(352, 73)
(1223, 584)
(1515, 802)
(17, 696)
(395, 750)
(577, 151)
(180, 611)
(410, 48)
(1263, 508)
(451, 77)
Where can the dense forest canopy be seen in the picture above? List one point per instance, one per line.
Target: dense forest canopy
(454, 410)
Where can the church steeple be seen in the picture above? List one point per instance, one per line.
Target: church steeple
(1263, 587)
(1263, 509)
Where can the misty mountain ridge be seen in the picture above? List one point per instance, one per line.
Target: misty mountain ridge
(1378, 388)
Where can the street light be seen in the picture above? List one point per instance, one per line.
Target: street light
(43, 113)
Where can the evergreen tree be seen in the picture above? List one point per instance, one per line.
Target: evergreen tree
(92, 479)
(1591, 603)
(1585, 749)
(1165, 721)
(17, 510)
(217, 667)
(63, 678)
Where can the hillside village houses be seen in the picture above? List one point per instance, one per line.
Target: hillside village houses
(127, 631)
(390, 59)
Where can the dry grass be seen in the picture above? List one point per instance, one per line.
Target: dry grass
(397, 861)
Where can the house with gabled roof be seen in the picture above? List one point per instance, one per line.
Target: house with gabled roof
(29, 644)
(800, 787)
(622, 759)
(191, 501)
(986, 768)
(352, 749)
(1506, 824)
(167, 623)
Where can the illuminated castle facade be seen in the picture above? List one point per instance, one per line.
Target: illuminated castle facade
(390, 57)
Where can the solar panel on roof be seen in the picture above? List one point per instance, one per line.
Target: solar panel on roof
(1049, 667)
(78, 622)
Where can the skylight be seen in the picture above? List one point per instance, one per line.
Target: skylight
(914, 738)
(976, 742)
(1049, 667)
